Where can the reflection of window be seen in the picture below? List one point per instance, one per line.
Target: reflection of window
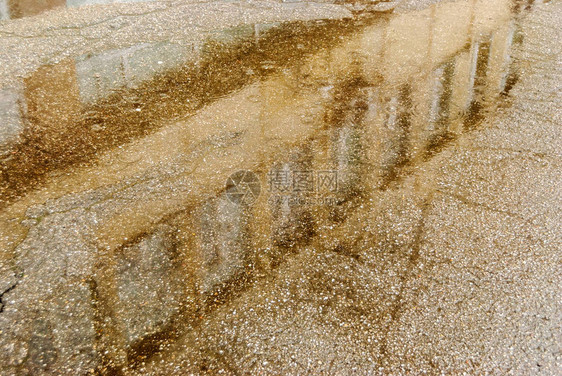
(441, 96)
(102, 74)
(392, 113)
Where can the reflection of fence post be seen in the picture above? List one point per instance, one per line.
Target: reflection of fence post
(110, 341)
(500, 59)
(481, 57)
(441, 102)
(461, 89)
(422, 87)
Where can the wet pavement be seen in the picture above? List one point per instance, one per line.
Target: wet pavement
(397, 211)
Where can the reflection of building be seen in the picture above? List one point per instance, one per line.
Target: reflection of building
(378, 126)
(103, 74)
(291, 221)
(221, 244)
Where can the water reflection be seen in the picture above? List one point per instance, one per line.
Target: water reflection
(122, 94)
(368, 102)
(222, 236)
(398, 121)
(373, 123)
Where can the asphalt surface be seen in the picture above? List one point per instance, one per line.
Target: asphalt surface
(457, 270)
(448, 263)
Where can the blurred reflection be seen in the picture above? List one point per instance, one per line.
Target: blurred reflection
(123, 94)
(292, 220)
(364, 102)
(375, 122)
(222, 242)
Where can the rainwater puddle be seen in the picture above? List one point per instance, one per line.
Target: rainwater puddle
(205, 166)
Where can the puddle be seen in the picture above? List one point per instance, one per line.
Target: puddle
(76, 109)
(326, 115)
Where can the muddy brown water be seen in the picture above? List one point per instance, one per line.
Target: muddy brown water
(325, 115)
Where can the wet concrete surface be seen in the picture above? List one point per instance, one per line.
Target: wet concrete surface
(453, 270)
(435, 250)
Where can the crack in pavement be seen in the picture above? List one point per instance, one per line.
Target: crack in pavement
(2, 304)
(413, 260)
